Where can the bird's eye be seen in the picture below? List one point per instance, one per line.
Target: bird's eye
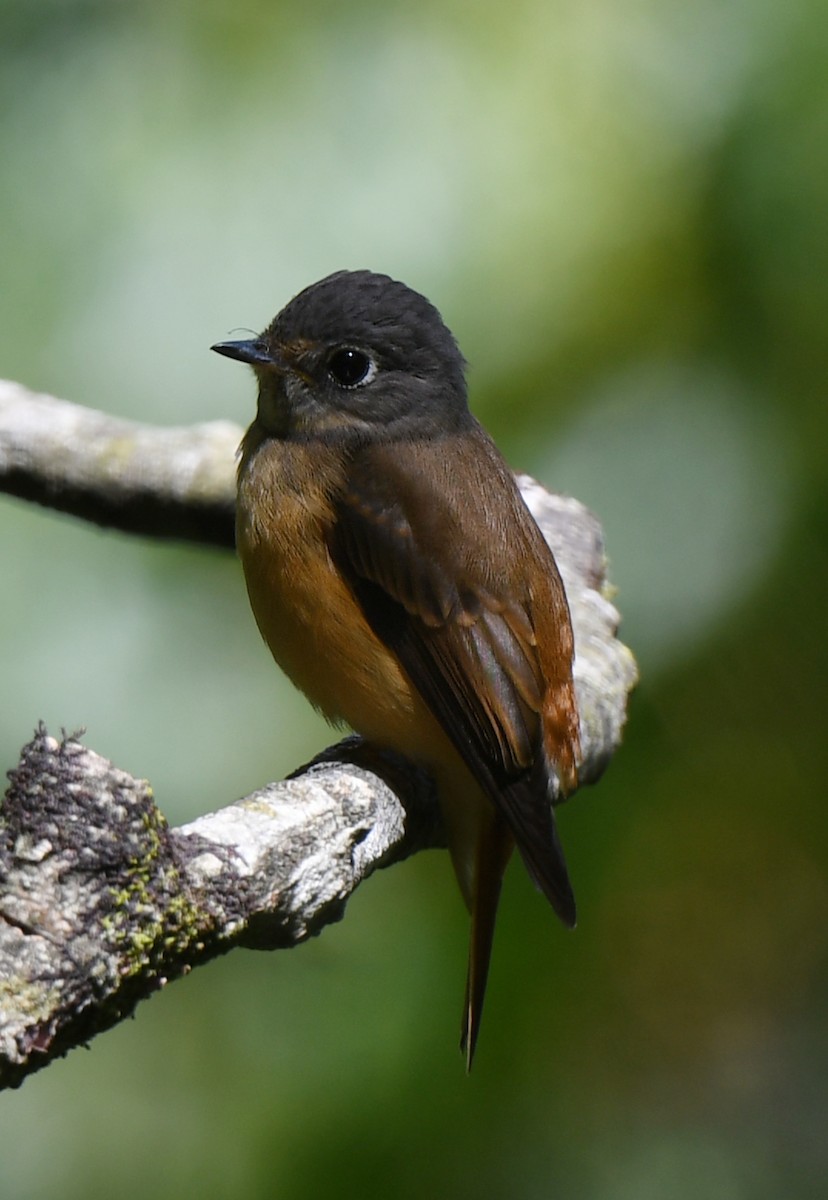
(351, 368)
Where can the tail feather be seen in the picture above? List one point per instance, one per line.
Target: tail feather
(528, 809)
(494, 848)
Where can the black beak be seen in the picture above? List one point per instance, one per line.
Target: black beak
(254, 352)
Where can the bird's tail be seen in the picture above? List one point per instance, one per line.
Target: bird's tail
(494, 847)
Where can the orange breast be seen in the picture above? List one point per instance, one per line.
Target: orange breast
(306, 614)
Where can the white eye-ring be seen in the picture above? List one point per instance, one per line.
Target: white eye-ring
(350, 367)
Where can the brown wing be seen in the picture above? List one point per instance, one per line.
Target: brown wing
(468, 597)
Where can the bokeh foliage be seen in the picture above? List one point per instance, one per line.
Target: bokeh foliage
(620, 209)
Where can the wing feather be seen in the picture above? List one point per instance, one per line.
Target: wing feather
(459, 615)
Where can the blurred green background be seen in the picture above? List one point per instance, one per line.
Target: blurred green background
(620, 208)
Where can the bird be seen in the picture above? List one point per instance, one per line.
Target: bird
(401, 583)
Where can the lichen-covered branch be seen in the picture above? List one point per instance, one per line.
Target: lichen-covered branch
(101, 903)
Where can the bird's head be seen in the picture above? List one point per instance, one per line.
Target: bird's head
(357, 356)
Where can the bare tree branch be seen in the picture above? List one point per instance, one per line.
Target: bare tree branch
(173, 483)
(101, 903)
